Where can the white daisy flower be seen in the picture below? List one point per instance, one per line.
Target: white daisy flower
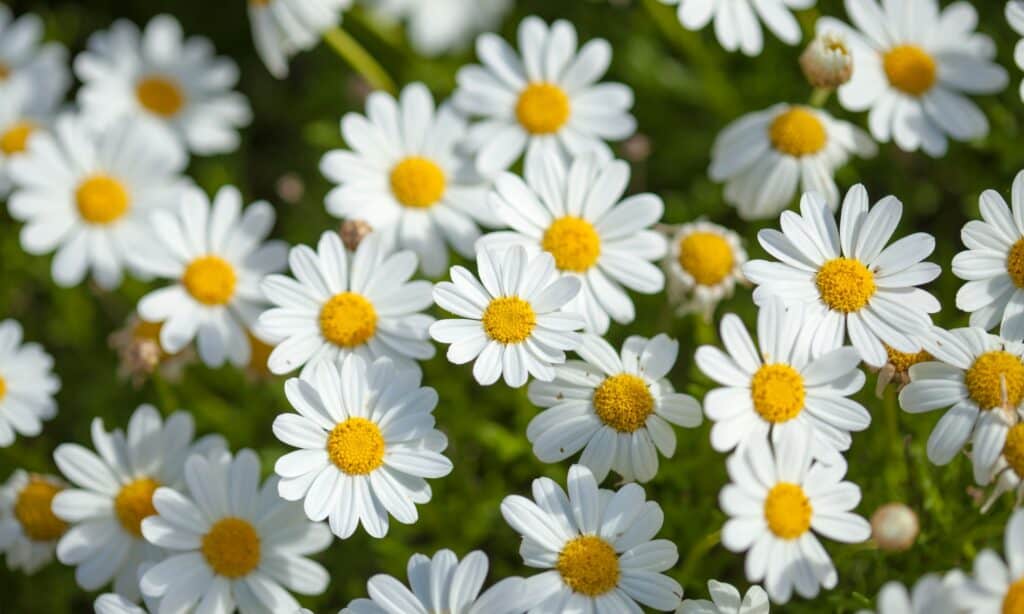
(546, 99)
(112, 603)
(775, 388)
(442, 26)
(87, 195)
(846, 277)
(1006, 472)
(931, 594)
(442, 585)
(617, 408)
(27, 385)
(766, 156)
(282, 28)
(896, 369)
(703, 265)
(510, 321)
(233, 542)
(112, 492)
(26, 62)
(574, 212)
(596, 546)
(738, 22)
(366, 440)
(406, 178)
(913, 67)
(22, 115)
(997, 584)
(343, 303)
(725, 599)
(28, 528)
(160, 75)
(778, 502)
(1015, 17)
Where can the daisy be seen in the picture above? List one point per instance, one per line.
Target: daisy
(510, 321)
(737, 25)
(282, 28)
(366, 440)
(913, 66)
(574, 212)
(1015, 17)
(233, 542)
(725, 599)
(405, 177)
(160, 75)
(931, 594)
(444, 25)
(112, 493)
(777, 503)
(998, 583)
(27, 385)
(596, 546)
(87, 195)
(28, 528)
(846, 278)
(442, 585)
(776, 388)
(703, 265)
(26, 62)
(897, 369)
(617, 408)
(217, 254)
(341, 304)
(1006, 472)
(112, 603)
(547, 99)
(764, 157)
(23, 113)
(827, 62)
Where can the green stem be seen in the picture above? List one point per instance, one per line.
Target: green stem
(698, 551)
(359, 59)
(820, 96)
(898, 462)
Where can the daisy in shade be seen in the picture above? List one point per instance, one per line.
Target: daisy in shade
(405, 177)
(775, 388)
(546, 99)
(87, 195)
(766, 156)
(738, 22)
(232, 542)
(997, 584)
(618, 408)
(342, 303)
(1006, 472)
(595, 545)
(574, 212)
(28, 528)
(703, 266)
(27, 385)
(914, 66)
(21, 116)
(282, 28)
(112, 493)
(849, 282)
(444, 25)
(510, 321)
(725, 599)
(442, 585)
(778, 503)
(931, 594)
(160, 75)
(1015, 17)
(26, 62)
(366, 440)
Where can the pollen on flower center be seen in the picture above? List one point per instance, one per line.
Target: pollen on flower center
(348, 320)
(589, 565)
(787, 510)
(210, 280)
(1013, 449)
(34, 512)
(707, 257)
(845, 284)
(1015, 263)
(573, 242)
(623, 402)
(15, 139)
(417, 182)
(902, 361)
(909, 69)
(356, 446)
(995, 379)
(543, 108)
(101, 199)
(797, 132)
(134, 503)
(1013, 602)
(160, 95)
(231, 547)
(777, 391)
(509, 319)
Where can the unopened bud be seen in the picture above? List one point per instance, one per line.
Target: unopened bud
(353, 232)
(894, 527)
(827, 62)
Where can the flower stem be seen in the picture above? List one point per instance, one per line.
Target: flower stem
(820, 96)
(697, 552)
(359, 59)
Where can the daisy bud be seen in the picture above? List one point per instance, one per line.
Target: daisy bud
(827, 62)
(353, 232)
(290, 188)
(637, 148)
(894, 527)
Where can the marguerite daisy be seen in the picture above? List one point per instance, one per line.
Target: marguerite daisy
(703, 266)
(848, 280)
(737, 23)
(574, 212)
(1006, 472)
(113, 603)
(28, 528)
(26, 62)
(596, 546)
(546, 99)
(618, 408)
(1015, 17)
(444, 25)
(764, 157)
(27, 385)
(282, 28)
(913, 65)
(998, 583)
(21, 117)
(512, 323)
(725, 599)
(366, 440)
(931, 594)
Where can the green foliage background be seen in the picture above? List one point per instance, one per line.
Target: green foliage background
(687, 89)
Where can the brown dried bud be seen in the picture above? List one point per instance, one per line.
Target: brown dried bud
(353, 232)
(894, 527)
(827, 62)
(290, 188)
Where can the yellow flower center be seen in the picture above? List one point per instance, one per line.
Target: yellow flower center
(543, 108)
(14, 140)
(348, 320)
(573, 243)
(995, 379)
(356, 446)
(902, 361)
(797, 132)
(231, 547)
(910, 69)
(101, 199)
(1015, 263)
(845, 284)
(509, 319)
(1013, 602)
(1013, 449)
(787, 510)
(417, 182)
(777, 391)
(707, 257)
(589, 565)
(34, 511)
(623, 402)
(134, 503)
(160, 96)
(3, 388)
(210, 280)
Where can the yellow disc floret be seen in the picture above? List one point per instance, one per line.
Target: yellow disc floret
(509, 319)
(787, 510)
(1013, 602)
(573, 242)
(707, 257)
(909, 69)
(1013, 449)
(995, 379)
(356, 446)
(231, 547)
(777, 391)
(623, 402)
(348, 320)
(101, 199)
(543, 108)
(34, 511)
(417, 182)
(15, 138)
(1015, 263)
(160, 95)
(589, 565)
(134, 503)
(3, 387)
(797, 132)
(210, 280)
(902, 361)
(845, 284)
